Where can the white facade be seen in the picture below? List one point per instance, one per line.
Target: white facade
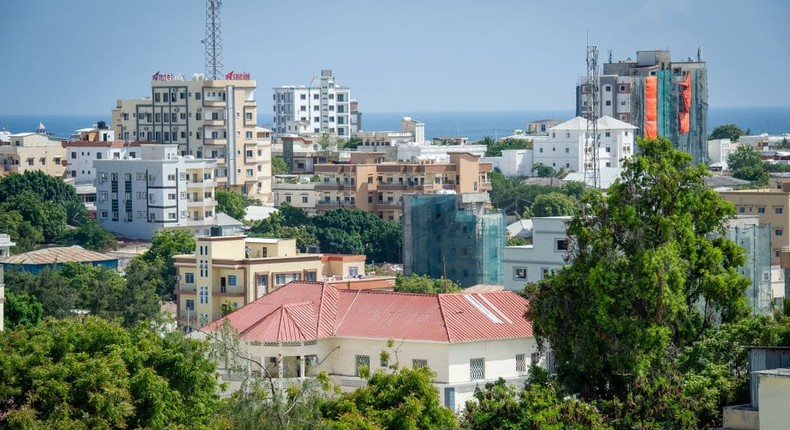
(323, 107)
(81, 155)
(565, 146)
(160, 189)
(513, 162)
(530, 263)
(718, 152)
(205, 118)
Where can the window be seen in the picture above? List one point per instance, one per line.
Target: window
(248, 135)
(608, 88)
(760, 210)
(477, 369)
(279, 279)
(776, 210)
(190, 305)
(203, 295)
(778, 232)
(304, 199)
(353, 271)
(519, 273)
(384, 360)
(249, 173)
(232, 280)
(171, 196)
(608, 149)
(743, 210)
(288, 199)
(189, 278)
(171, 215)
(310, 276)
(521, 363)
(419, 363)
(359, 361)
(248, 116)
(567, 150)
(608, 103)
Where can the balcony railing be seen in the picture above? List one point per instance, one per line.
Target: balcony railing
(186, 289)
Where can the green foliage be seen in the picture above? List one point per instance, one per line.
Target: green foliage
(727, 131)
(164, 245)
(46, 188)
(403, 399)
(278, 166)
(423, 284)
(745, 163)
(495, 149)
(90, 235)
(76, 213)
(518, 241)
(95, 374)
(47, 216)
(543, 171)
(515, 198)
(231, 203)
(22, 309)
(537, 406)
(353, 142)
(351, 230)
(650, 270)
(102, 292)
(554, 204)
(22, 232)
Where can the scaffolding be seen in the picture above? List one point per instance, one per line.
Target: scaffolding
(453, 235)
(756, 242)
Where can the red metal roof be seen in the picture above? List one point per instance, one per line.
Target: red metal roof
(301, 311)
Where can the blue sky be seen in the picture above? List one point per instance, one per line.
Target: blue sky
(79, 56)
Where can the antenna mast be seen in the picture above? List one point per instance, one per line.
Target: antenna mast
(213, 40)
(592, 142)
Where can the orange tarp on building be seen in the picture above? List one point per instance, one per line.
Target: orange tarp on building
(651, 107)
(684, 107)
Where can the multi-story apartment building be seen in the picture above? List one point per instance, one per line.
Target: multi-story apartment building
(80, 156)
(370, 184)
(772, 206)
(530, 263)
(322, 107)
(227, 272)
(207, 119)
(659, 96)
(22, 152)
(565, 145)
(159, 189)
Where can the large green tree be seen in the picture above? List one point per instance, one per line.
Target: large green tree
(22, 309)
(727, 131)
(554, 204)
(164, 245)
(89, 235)
(745, 163)
(651, 272)
(47, 188)
(93, 374)
(231, 203)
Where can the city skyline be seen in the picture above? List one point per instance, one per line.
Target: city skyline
(79, 57)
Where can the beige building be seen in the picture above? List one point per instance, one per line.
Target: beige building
(297, 192)
(227, 272)
(370, 184)
(772, 206)
(33, 151)
(207, 119)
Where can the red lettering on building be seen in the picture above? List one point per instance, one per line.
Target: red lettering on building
(232, 76)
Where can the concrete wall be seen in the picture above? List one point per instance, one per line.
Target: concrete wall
(774, 401)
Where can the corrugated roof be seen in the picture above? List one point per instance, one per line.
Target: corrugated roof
(70, 254)
(302, 311)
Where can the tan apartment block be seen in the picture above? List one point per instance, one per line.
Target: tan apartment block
(33, 151)
(214, 119)
(228, 272)
(772, 206)
(369, 183)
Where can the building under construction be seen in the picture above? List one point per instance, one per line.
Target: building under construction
(658, 96)
(453, 235)
(755, 239)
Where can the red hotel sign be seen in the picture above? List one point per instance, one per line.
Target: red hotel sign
(237, 76)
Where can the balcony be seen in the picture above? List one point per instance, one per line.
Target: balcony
(237, 291)
(329, 186)
(219, 122)
(215, 141)
(391, 186)
(187, 317)
(201, 184)
(186, 289)
(201, 202)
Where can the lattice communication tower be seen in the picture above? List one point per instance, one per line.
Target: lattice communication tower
(213, 40)
(592, 142)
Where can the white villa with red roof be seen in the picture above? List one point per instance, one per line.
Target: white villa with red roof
(304, 328)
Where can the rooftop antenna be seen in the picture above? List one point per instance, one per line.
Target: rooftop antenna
(213, 40)
(592, 143)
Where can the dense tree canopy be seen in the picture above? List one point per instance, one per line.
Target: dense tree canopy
(164, 245)
(423, 284)
(89, 235)
(22, 309)
(231, 204)
(554, 204)
(495, 148)
(94, 374)
(515, 198)
(278, 166)
(727, 131)
(746, 163)
(650, 273)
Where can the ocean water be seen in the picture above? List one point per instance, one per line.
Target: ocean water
(474, 125)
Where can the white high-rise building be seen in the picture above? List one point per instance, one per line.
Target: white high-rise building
(206, 119)
(160, 189)
(322, 107)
